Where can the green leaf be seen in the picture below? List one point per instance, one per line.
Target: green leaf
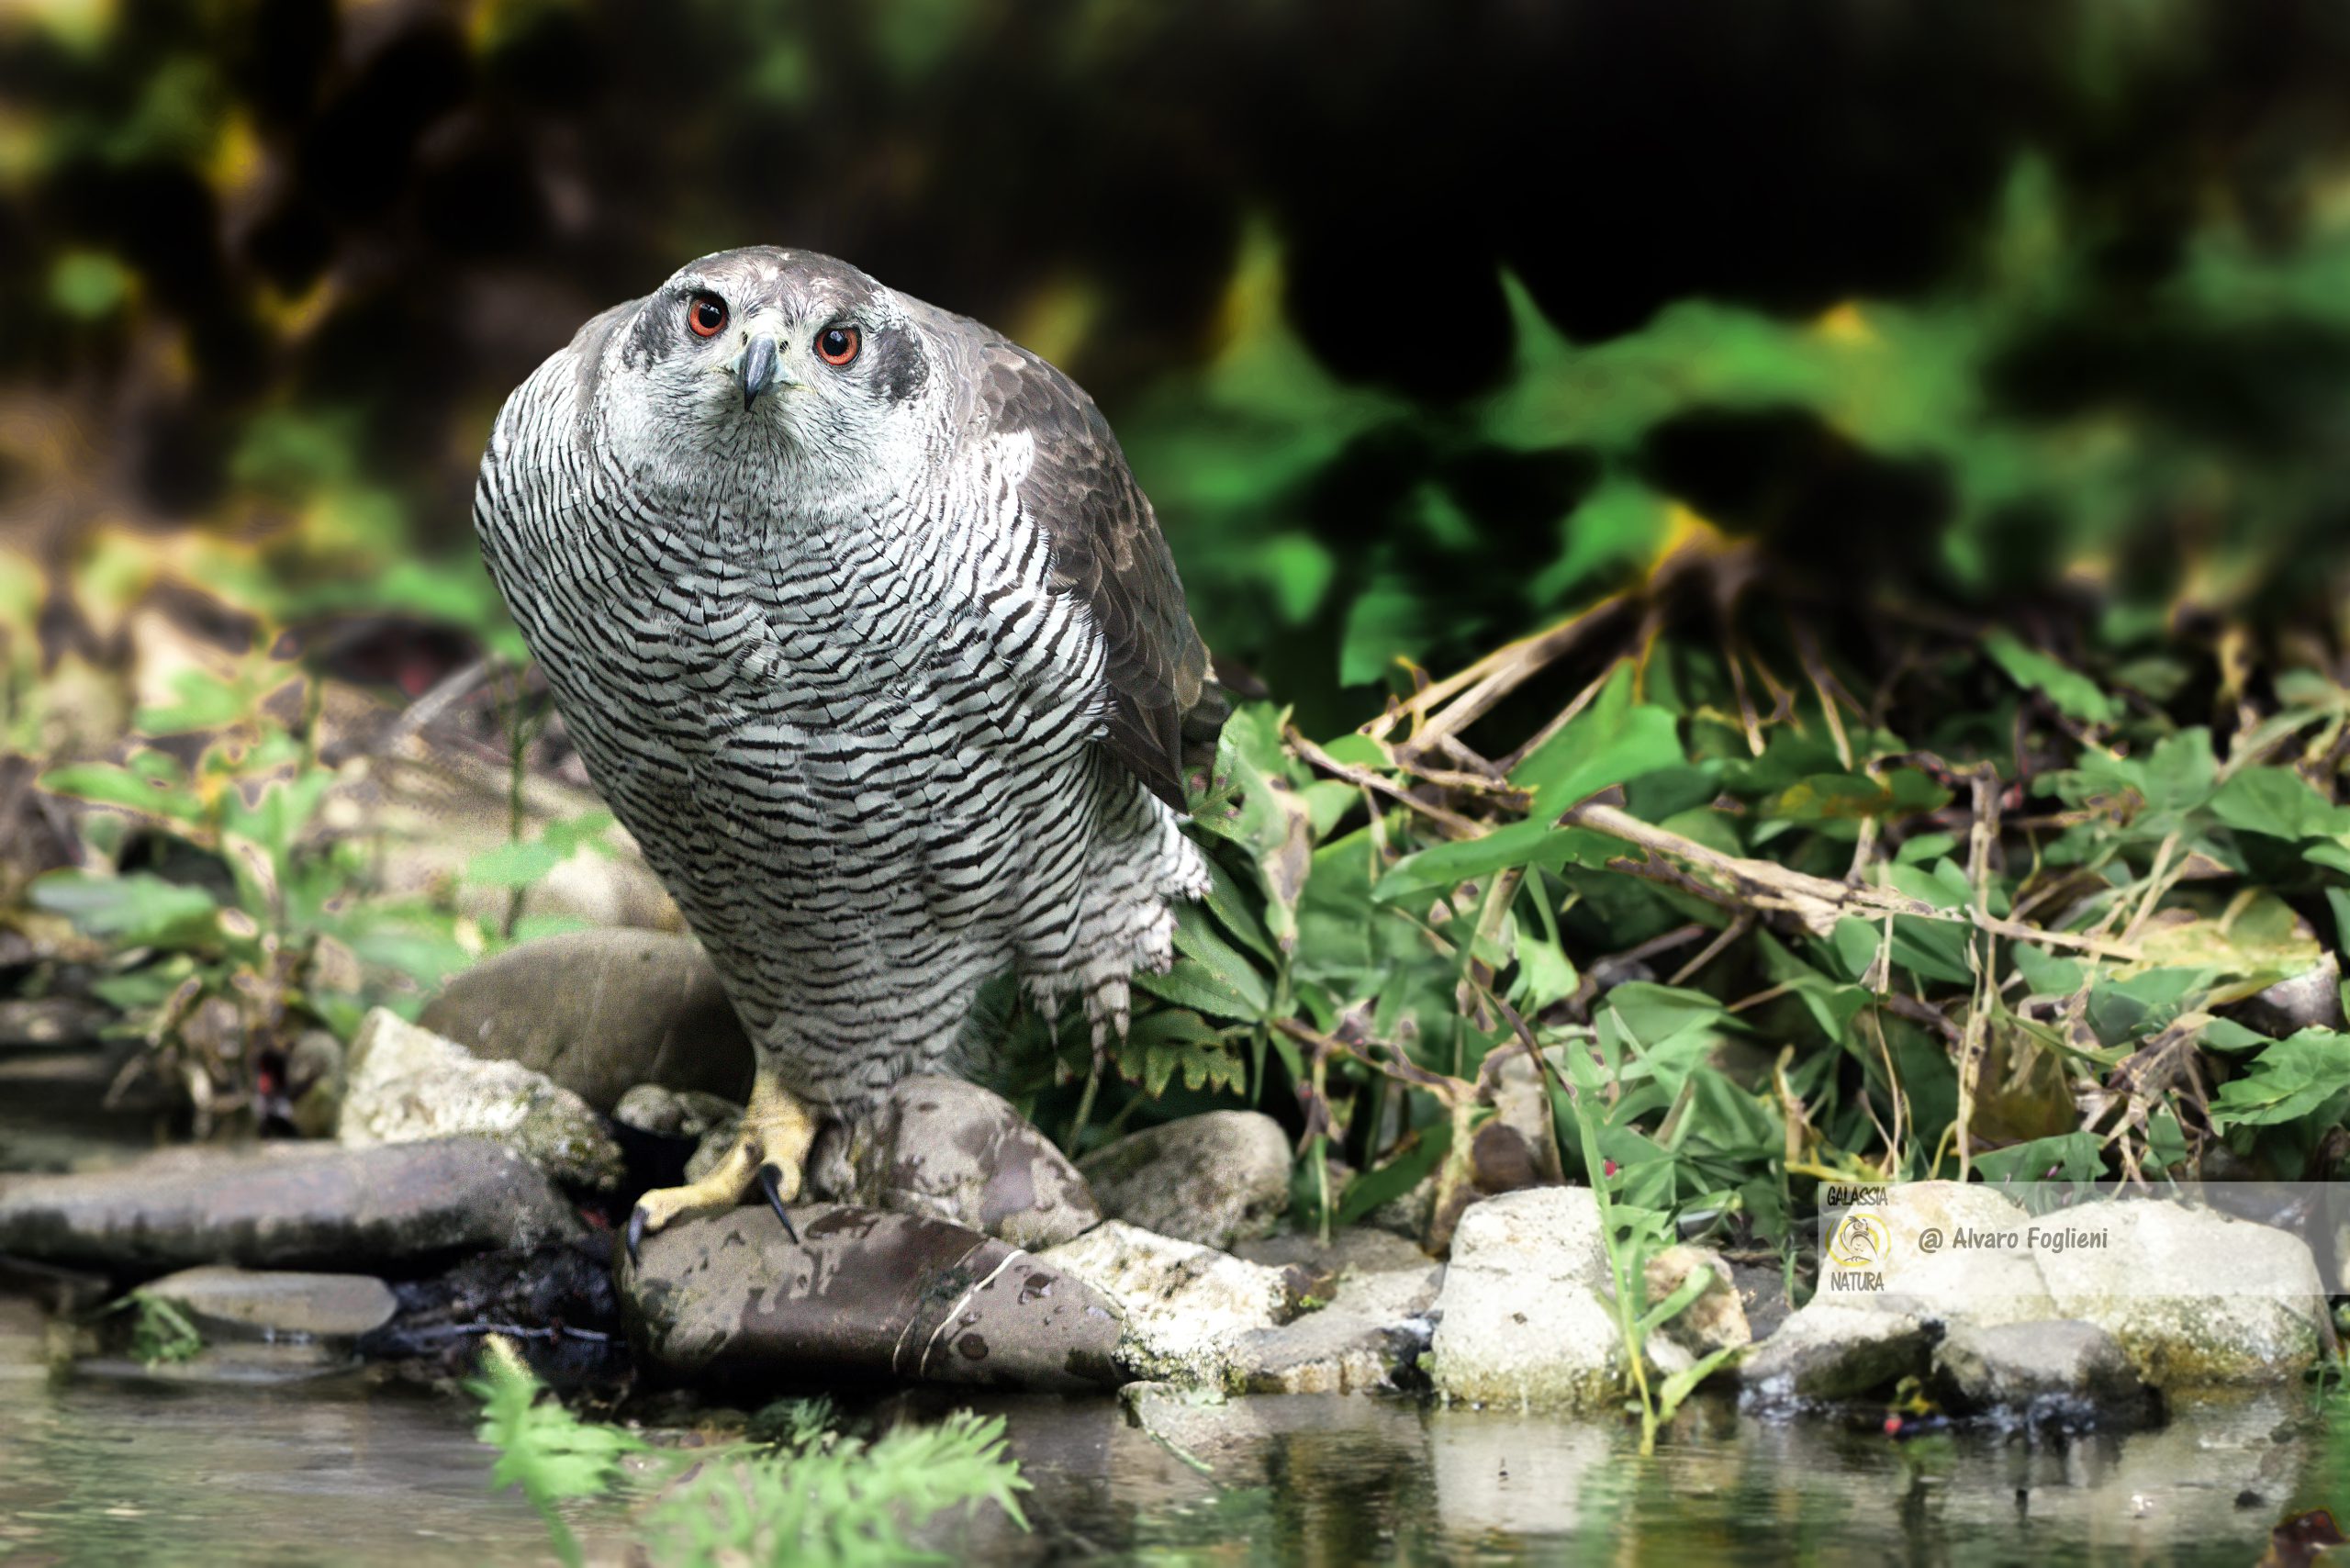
(206, 701)
(2278, 802)
(1193, 984)
(2074, 1157)
(1167, 1041)
(2074, 693)
(1398, 1176)
(140, 910)
(148, 792)
(1473, 860)
(1848, 797)
(516, 865)
(2287, 1080)
(1613, 739)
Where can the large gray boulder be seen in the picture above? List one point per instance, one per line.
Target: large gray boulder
(862, 1294)
(601, 1012)
(405, 1084)
(297, 1206)
(1213, 1179)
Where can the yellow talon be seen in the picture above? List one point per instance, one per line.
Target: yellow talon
(770, 1151)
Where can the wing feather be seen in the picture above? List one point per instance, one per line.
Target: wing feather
(1108, 555)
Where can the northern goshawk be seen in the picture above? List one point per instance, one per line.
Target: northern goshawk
(866, 633)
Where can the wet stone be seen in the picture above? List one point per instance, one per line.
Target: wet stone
(277, 1304)
(601, 1012)
(406, 1084)
(863, 1295)
(1831, 1351)
(946, 1149)
(2069, 1371)
(1214, 1178)
(248, 1363)
(285, 1206)
(1188, 1308)
(1369, 1337)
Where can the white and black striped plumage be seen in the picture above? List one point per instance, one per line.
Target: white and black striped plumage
(887, 667)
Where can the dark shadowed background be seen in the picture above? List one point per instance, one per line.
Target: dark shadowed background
(1422, 323)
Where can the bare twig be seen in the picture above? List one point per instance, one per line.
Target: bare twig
(1816, 902)
(1363, 777)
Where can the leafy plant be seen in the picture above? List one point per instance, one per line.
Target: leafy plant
(160, 1334)
(807, 1495)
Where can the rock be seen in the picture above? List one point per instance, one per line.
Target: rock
(1353, 1252)
(675, 1113)
(601, 1012)
(285, 1206)
(1761, 1294)
(952, 1151)
(1520, 1320)
(1831, 1350)
(2040, 1372)
(1410, 1215)
(260, 1363)
(1376, 1323)
(2262, 1321)
(2311, 999)
(2266, 1324)
(277, 1304)
(1213, 1179)
(732, 1298)
(1717, 1319)
(1987, 1286)
(409, 1085)
(1518, 1144)
(1187, 1308)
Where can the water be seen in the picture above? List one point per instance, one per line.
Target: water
(113, 1467)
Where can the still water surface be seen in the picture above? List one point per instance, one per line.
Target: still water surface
(124, 1468)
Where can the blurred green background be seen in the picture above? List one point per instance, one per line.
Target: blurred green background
(1423, 325)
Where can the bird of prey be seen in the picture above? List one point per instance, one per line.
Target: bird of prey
(866, 633)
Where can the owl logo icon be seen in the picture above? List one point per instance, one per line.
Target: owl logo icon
(1860, 1241)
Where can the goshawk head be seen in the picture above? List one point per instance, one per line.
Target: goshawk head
(763, 359)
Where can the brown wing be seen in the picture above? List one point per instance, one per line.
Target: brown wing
(1108, 555)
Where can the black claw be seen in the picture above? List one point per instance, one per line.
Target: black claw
(635, 1237)
(771, 1184)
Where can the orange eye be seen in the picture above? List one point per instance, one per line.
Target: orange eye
(706, 314)
(837, 345)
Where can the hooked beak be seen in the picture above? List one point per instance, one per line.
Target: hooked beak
(757, 368)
